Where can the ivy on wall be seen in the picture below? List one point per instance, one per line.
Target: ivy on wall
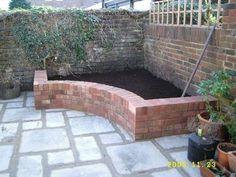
(56, 35)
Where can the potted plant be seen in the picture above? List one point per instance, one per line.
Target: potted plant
(212, 121)
(9, 84)
(225, 148)
(211, 168)
(232, 161)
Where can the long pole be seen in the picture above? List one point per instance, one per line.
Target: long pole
(199, 60)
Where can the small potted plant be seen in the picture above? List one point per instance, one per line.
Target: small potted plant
(212, 121)
(232, 132)
(9, 84)
(224, 149)
(211, 168)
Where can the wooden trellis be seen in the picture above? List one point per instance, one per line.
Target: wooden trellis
(185, 12)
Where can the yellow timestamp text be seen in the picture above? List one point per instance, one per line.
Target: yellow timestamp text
(185, 164)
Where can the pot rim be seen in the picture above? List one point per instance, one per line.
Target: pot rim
(16, 85)
(220, 144)
(200, 117)
(232, 153)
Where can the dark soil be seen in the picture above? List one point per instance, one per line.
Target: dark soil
(226, 148)
(138, 81)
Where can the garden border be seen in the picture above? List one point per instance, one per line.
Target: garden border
(143, 119)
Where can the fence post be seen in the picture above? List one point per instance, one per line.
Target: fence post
(178, 18)
(199, 13)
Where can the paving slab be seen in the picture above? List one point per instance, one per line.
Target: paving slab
(136, 157)
(6, 152)
(74, 113)
(55, 119)
(87, 148)
(96, 170)
(167, 173)
(15, 105)
(169, 142)
(21, 114)
(62, 157)
(182, 157)
(30, 166)
(44, 139)
(30, 102)
(7, 131)
(32, 125)
(110, 138)
(90, 124)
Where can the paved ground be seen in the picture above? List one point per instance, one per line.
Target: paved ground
(66, 143)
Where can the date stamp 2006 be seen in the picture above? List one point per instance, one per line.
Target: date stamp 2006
(184, 164)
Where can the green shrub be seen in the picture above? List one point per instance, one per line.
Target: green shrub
(219, 86)
(51, 34)
(19, 4)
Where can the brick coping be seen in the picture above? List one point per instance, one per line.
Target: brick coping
(141, 118)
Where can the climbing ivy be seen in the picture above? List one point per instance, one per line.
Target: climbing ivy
(54, 35)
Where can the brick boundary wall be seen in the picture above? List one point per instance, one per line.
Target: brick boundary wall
(171, 52)
(126, 51)
(143, 119)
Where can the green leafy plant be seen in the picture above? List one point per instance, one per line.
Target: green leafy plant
(231, 124)
(7, 78)
(16, 4)
(219, 86)
(54, 36)
(58, 37)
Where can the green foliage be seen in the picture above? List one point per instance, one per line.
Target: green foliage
(19, 4)
(219, 87)
(7, 78)
(231, 124)
(56, 35)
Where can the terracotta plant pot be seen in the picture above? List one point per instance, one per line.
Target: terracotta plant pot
(222, 155)
(216, 130)
(232, 161)
(208, 172)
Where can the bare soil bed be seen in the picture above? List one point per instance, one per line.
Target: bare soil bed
(138, 81)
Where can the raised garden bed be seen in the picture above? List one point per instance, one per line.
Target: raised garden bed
(142, 118)
(138, 81)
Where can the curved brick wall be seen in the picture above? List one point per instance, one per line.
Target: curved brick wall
(142, 118)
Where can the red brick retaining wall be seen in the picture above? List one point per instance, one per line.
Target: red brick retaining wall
(171, 52)
(141, 118)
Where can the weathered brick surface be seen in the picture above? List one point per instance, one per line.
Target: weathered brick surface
(127, 50)
(142, 118)
(172, 51)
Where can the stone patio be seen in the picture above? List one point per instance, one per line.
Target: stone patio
(66, 143)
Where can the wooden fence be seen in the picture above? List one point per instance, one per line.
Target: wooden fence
(186, 12)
